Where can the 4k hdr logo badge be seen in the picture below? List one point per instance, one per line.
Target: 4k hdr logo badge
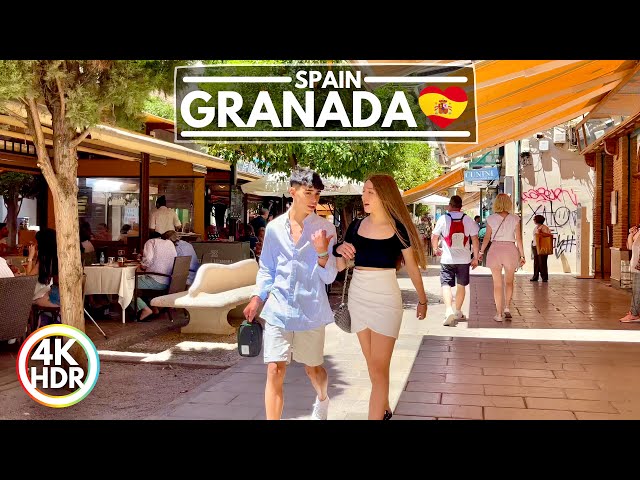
(442, 108)
(55, 367)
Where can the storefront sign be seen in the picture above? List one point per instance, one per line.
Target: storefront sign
(482, 175)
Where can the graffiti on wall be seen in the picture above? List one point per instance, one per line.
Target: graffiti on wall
(544, 194)
(561, 217)
(562, 221)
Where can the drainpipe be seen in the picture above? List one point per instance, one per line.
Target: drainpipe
(602, 219)
(628, 181)
(518, 184)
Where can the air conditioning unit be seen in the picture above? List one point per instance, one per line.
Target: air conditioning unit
(559, 135)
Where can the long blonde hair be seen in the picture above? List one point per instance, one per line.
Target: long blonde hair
(387, 189)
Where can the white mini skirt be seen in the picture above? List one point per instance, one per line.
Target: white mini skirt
(375, 302)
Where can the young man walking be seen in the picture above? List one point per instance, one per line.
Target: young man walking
(455, 228)
(295, 266)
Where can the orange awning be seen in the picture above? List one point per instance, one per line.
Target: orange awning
(434, 186)
(516, 98)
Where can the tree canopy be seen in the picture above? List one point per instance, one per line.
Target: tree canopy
(19, 185)
(68, 97)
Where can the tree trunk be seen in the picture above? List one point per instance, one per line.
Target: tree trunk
(65, 204)
(12, 219)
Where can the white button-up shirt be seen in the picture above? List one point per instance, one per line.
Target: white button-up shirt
(5, 271)
(158, 257)
(291, 278)
(164, 219)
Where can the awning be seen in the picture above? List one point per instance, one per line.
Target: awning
(521, 97)
(144, 143)
(434, 200)
(434, 186)
(128, 145)
(617, 112)
(516, 98)
(277, 185)
(470, 200)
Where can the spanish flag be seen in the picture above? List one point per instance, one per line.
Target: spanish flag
(443, 107)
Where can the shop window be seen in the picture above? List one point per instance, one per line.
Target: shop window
(110, 202)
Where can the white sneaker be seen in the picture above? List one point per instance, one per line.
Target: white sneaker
(449, 318)
(460, 315)
(498, 318)
(320, 409)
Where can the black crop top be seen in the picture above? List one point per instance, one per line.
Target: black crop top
(376, 253)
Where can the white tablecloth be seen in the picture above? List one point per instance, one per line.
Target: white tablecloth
(111, 280)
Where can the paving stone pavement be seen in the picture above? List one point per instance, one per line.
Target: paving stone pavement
(563, 356)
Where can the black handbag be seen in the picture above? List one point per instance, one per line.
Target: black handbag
(250, 338)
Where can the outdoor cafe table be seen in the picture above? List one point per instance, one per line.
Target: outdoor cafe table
(109, 279)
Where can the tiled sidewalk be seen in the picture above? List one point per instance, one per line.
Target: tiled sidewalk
(586, 369)
(496, 379)
(563, 302)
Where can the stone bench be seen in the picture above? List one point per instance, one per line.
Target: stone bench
(218, 292)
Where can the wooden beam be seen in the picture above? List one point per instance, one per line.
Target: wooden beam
(160, 126)
(144, 200)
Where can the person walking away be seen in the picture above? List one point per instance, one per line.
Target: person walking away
(379, 245)
(450, 242)
(503, 229)
(295, 267)
(633, 244)
(540, 267)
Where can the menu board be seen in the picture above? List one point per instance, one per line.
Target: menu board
(236, 203)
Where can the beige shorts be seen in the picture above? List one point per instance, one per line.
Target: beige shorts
(306, 347)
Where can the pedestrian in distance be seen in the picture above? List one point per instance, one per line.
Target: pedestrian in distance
(451, 237)
(506, 252)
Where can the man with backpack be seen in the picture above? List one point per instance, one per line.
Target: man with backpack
(456, 231)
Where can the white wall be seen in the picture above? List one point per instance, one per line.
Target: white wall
(29, 209)
(558, 181)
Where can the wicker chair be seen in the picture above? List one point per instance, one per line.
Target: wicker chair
(16, 295)
(178, 277)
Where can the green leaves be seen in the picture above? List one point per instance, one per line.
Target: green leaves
(23, 185)
(93, 91)
(410, 163)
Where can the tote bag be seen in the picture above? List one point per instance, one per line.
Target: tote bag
(544, 242)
